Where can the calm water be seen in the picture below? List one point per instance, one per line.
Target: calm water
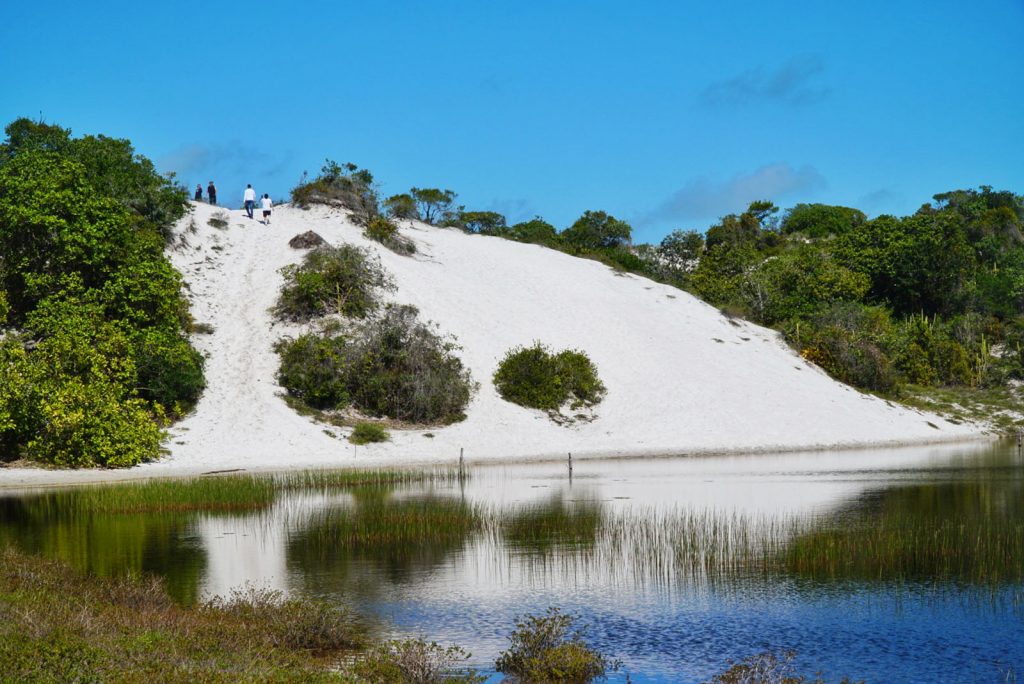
(677, 565)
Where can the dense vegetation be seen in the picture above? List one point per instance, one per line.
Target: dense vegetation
(384, 363)
(929, 299)
(535, 377)
(93, 352)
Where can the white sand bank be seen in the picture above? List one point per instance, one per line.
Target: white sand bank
(681, 378)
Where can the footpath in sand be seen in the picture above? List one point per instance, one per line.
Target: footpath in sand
(681, 377)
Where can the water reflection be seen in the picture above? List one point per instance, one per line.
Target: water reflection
(858, 560)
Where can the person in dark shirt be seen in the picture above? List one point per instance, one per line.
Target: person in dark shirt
(199, 192)
(211, 193)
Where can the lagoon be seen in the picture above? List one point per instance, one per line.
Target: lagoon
(882, 565)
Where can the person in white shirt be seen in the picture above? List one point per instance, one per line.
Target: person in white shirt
(267, 204)
(250, 199)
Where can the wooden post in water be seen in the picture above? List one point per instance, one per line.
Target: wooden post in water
(1020, 441)
(570, 465)
(462, 464)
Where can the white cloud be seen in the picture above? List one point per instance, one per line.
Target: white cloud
(702, 198)
(793, 83)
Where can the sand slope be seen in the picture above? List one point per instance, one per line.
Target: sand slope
(681, 377)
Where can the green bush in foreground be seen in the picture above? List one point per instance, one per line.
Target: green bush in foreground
(366, 433)
(332, 280)
(547, 648)
(414, 661)
(536, 378)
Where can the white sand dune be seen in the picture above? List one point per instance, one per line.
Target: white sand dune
(681, 377)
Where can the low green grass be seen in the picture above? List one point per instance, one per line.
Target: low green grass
(60, 625)
(999, 406)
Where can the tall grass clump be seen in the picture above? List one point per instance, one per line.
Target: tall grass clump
(342, 280)
(379, 525)
(350, 479)
(391, 365)
(538, 378)
(232, 492)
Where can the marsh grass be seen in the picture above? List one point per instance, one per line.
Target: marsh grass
(385, 478)
(385, 525)
(236, 492)
(707, 548)
(61, 625)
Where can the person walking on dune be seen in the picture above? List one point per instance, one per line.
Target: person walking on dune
(267, 205)
(250, 199)
(211, 193)
(199, 192)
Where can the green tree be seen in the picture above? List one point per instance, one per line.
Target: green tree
(484, 222)
(798, 282)
(921, 263)
(433, 204)
(681, 249)
(112, 168)
(401, 206)
(597, 230)
(821, 220)
(536, 230)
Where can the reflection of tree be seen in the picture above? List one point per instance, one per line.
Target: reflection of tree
(106, 544)
(397, 536)
(551, 525)
(969, 531)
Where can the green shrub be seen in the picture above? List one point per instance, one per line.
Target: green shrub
(366, 433)
(536, 378)
(381, 229)
(5, 308)
(547, 649)
(849, 341)
(414, 661)
(86, 424)
(292, 623)
(340, 184)
(315, 369)
(405, 370)
(343, 280)
(391, 365)
(169, 369)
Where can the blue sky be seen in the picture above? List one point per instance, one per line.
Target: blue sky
(666, 114)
